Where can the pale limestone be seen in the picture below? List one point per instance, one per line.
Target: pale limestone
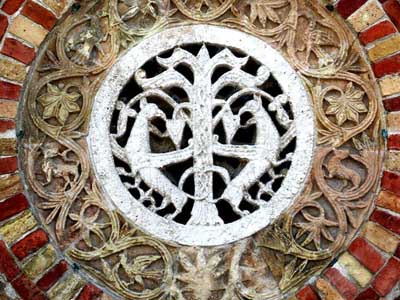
(40, 262)
(12, 70)
(355, 269)
(367, 15)
(380, 237)
(57, 6)
(393, 121)
(10, 185)
(67, 288)
(390, 85)
(385, 48)
(328, 290)
(389, 200)
(28, 30)
(8, 109)
(15, 228)
(392, 161)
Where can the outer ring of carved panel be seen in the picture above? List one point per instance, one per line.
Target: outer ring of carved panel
(299, 244)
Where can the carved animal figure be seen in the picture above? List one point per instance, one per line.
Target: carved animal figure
(141, 159)
(267, 148)
(53, 169)
(337, 170)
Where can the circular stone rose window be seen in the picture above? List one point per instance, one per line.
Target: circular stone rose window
(207, 150)
(202, 135)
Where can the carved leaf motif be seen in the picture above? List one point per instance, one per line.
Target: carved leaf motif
(137, 270)
(264, 11)
(348, 106)
(59, 103)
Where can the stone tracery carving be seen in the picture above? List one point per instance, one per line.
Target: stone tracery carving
(294, 247)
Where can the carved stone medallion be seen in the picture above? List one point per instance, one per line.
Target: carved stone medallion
(215, 125)
(201, 149)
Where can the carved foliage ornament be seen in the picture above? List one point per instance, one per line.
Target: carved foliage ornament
(154, 128)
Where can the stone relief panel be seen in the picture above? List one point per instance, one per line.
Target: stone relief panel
(201, 149)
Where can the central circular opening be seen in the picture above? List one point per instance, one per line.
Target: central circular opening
(202, 135)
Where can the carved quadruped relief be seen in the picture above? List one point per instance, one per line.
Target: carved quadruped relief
(219, 149)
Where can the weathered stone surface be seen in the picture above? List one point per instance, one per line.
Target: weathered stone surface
(15, 228)
(12, 70)
(390, 85)
(40, 262)
(380, 237)
(328, 290)
(385, 48)
(355, 269)
(366, 15)
(28, 30)
(389, 200)
(66, 288)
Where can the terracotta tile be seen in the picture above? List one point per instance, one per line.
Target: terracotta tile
(397, 253)
(9, 91)
(342, 284)
(366, 15)
(389, 200)
(52, 276)
(387, 66)
(14, 229)
(28, 30)
(355, 269)
(39, 14)
(392, 8)
(307, 293)
(7, 264)
(391, 182)
(90, 292)
(392, 104)
(3, 25)
(6, 125)
(380, 237)
(385, 48)
(387, 220)
(390, 85)
(346, 7)
(13, 206)
(18, 50)
(8, 165)
(368, 294)
(25, 287)
(30, 244)
(376, 32)
(8, 109)
(11, 6)
(366, 254)
(387, 278)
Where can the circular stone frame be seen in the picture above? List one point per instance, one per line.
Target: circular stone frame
(100, 146)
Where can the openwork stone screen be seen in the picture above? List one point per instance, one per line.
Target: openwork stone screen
(204, 150)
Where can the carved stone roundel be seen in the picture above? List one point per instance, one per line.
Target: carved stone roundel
(202, 135)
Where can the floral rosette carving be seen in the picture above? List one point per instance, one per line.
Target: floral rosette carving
(61, 183)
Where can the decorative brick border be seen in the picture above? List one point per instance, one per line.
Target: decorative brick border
(368, 270)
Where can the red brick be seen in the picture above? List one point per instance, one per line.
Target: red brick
(25, 287)
(90, 292)
(52, 276)
(39, 14)
(376, 32)
(387, 66)
(19, 51)
(392, 8)
(393, 142)
(6, 125)
(9, 91)
(11, 6)
(392, 104)
(347, 7)
(368, 294)
(13, 206)
(387, 278)
(387, 220)
(391, 182)
(3, 25)
(8, 165)
(397, 254)
(345, 287)
(366, 254)
(7, 264)
(30, 244)
(307, 293)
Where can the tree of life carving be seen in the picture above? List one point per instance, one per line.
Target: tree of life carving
(203, 135)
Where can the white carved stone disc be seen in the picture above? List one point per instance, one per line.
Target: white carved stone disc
(265, 121)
